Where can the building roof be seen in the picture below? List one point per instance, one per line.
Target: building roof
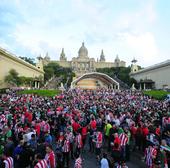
(155, 66)
(15, 58)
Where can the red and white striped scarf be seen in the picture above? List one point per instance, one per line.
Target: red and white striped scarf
(50, 158)
(66, 146)
(123, 139)
(150, 153)
(78, 163)
(41, 164)
(9, 162)
(79, 142)
(99, 140)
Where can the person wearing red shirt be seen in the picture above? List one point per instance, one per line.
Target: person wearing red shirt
(28, 116)
(38, 129)
(117, 139)
(158, 131)
(138, 137)
(84, 134)
(145, 132)
(75, 126)
(116, 152)
(93, 124)
(133, 131)
(50, 157)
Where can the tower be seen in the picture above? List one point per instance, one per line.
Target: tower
(47, 58)
(117, 61)
(102, 57)
(134, 67)
(39, 64)
(62, 56)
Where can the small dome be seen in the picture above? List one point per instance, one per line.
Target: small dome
(83, 52)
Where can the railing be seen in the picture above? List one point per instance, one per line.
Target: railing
(121, 83)
(52, 82)
(49, 81)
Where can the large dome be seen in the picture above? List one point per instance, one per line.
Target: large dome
(83, 52)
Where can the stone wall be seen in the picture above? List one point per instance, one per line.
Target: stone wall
(9, 61)
(161, 76)
(66, 64)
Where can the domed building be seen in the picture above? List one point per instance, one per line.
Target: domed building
(83, 52)
(83, 64)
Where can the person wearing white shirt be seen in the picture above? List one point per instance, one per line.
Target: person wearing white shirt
(104, 162)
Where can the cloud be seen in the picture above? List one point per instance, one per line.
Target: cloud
(48, 26)
(143, 47)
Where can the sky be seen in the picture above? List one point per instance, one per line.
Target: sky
(137, 29)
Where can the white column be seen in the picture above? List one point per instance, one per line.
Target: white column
(144, 86)
(111, 86)
(38, 84)
(118, 87)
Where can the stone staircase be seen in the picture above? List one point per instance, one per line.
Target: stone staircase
(53, 83)
(122, 84)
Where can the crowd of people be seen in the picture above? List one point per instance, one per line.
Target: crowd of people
(52, 132)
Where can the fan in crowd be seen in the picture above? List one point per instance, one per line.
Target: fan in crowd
(43, 132)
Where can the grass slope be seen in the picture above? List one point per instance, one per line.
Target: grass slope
(49, 93)
(157, 94)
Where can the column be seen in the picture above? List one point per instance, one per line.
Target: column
(111, 86)
(144, 87)
(118, 87)
(140, 87)
(114, 87)
(38, 84)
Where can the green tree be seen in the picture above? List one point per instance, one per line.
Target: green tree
(49, 72)
(53, 69)
(121, 73)
(12, 78)
(29, 60)
(26, 81)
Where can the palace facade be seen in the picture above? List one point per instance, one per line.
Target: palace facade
(83, 64)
